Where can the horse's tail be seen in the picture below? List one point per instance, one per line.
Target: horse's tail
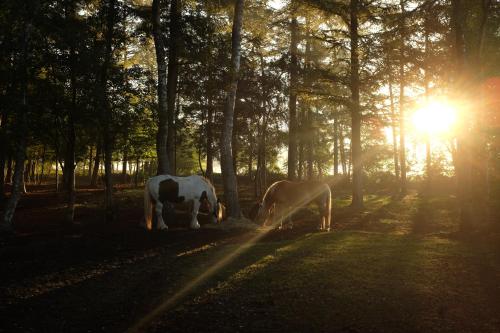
(328, 207)
(148, 208)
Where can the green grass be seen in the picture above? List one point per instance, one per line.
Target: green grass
(398, 269)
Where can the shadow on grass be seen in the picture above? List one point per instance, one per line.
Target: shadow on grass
(436, 215)
(341, 282)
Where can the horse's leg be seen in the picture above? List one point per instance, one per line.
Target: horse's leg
(271, 213)
(321, 210)
(194, 214)
(160, 224)
(289, 218)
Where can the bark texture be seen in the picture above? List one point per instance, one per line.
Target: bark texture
(228, 173)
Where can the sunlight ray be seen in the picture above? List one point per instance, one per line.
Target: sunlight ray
(222, 263)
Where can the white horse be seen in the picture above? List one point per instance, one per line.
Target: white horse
(166, 190)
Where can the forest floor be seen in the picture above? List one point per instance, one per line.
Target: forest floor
(398, 266)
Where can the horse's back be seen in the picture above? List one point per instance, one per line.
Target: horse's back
(286, 191)
(176, 188)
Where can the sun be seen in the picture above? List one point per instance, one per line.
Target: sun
(435, 117)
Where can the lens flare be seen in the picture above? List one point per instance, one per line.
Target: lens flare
(436, 117)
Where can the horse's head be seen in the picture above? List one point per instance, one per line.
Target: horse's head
(211, 204)
(259, 213)
(220, 212)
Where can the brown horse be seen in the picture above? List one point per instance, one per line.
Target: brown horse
(283, 197)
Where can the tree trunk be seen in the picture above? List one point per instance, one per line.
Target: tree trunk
(228, 174)
(27, 171)
(310, 132)
(174, 29)
(2, 172)
(124, 166)
(250, 154)
(6, 224)
(43, 165)
(89, 175)
(3, 154)
(343, 159)
(210, 157)
(292, 102)
(33, 170)
(69, 164)
(136, 177)
(310, 147)
(428, 155)
(97, 160)
(335, 144)
(8, 176)
(235, 146)
(57, 175)
(357, 174)
(402, 84)
(163, 111)
(107, 116)
(393, 125)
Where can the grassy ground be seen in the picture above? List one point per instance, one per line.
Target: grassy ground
(395, 268)
(398, 266)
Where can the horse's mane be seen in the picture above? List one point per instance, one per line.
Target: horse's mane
(269, 191)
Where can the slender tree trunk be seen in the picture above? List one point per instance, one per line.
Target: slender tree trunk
(43, 166)
(428, 156)
(69, 164)
(402, 102)
(335, 144)
(260, 176)
(136, 177)
(89, 175)
(310, 147)
(163, 111)
(250, 155)
(124, 166)
(343, 160)
(174, 28)
(228, 174)
(34, 164)
(310, 132)
(97, 160)
(27, 172)
(210, 153)
(57, 175)
(394, 125)
(3, 154)
(462, 165)
(6, 224)
(357, 174)
(8, 176)
(292, 101)
(106, 109)
(235, 146)
(2, 172)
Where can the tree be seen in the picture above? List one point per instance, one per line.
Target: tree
(110, 11)
(174, 30)
(357, 158)
(292, 100)
(21, 124)
(402, 84)
(163, 111)
(228, 172)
